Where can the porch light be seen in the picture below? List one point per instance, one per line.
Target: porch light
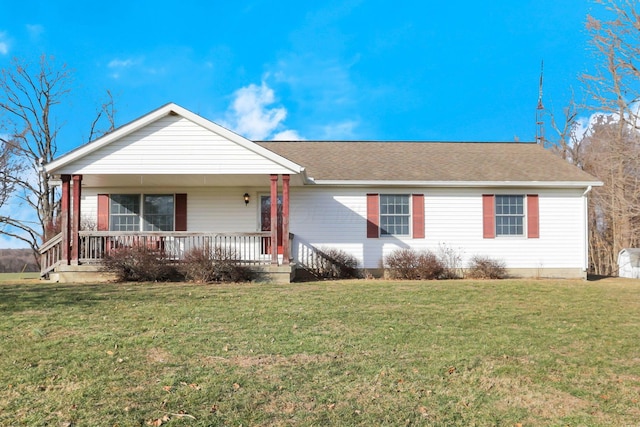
(246, 198)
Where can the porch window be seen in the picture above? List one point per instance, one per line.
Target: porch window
(157, 213)
(394, 214)
(125, 212)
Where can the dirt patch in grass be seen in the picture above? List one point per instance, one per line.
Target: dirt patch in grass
(547, 404)
(158, 355)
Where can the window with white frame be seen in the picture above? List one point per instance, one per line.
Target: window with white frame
(509, 215)
(395, 214)
(124, 212)
(157, 212)
(149, 212)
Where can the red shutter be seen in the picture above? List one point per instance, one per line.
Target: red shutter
(488, 216)
(373, 216)
(418, 216)
(181, 212)
(103, 212)
(533, 216)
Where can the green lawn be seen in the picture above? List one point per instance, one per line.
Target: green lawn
(502, 353)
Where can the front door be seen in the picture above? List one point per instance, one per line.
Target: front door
(265, 222)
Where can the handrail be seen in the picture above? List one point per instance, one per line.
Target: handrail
(252, 248)
(49, 243)
(50, 254)
(170, 233)
(248, 247)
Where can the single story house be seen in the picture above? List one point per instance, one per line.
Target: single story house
(177, 180)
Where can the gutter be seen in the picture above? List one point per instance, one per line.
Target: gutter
(455, 184)
(586, 229)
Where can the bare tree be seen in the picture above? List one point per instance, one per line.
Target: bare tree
(8, 168)
(612, 153)
(106, 111)
(30, 97)
(567, 144)
(610, 149)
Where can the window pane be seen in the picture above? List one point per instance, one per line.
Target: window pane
(509, 215)
(394, 214)
(125, 212)
(158, 212)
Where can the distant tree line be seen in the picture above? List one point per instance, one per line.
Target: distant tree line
(17, 260)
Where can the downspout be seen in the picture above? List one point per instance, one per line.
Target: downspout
(586, 229)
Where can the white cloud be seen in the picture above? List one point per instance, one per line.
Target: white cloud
(4, 43)
(287, 135)
(340, 131)
(135, 69)
(35, 30)
(121, 63)
(585, 124)
(7, 242)
(253, 115)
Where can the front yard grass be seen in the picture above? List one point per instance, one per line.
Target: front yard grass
(505, 353)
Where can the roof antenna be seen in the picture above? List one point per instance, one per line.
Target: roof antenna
(540, 111)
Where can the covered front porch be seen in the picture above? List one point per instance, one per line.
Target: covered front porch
(76, 250)
(174, 181)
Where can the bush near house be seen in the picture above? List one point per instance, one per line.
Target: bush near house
(410, 264)
(139, 264)
(484, 267)
(338, 265)
(204, 265)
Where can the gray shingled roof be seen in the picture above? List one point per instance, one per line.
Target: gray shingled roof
(428, 161)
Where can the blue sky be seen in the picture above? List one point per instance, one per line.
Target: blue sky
(347, 69)
(281, 69)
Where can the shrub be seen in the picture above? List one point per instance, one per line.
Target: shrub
(483, 267)
(414, 265)
(451, 260)
(139, 264)
(214, 264)
(338, 264)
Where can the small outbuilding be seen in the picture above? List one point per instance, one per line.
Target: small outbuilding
(629, 263)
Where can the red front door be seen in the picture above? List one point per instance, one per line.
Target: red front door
(265, 221)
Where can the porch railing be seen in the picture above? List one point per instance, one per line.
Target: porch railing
(247, 248)
(51, 254)
(93, 246)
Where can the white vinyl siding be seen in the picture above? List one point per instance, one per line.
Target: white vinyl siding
(336, 218)
(174, 145)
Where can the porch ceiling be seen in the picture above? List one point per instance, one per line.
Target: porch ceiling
(133, 180)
